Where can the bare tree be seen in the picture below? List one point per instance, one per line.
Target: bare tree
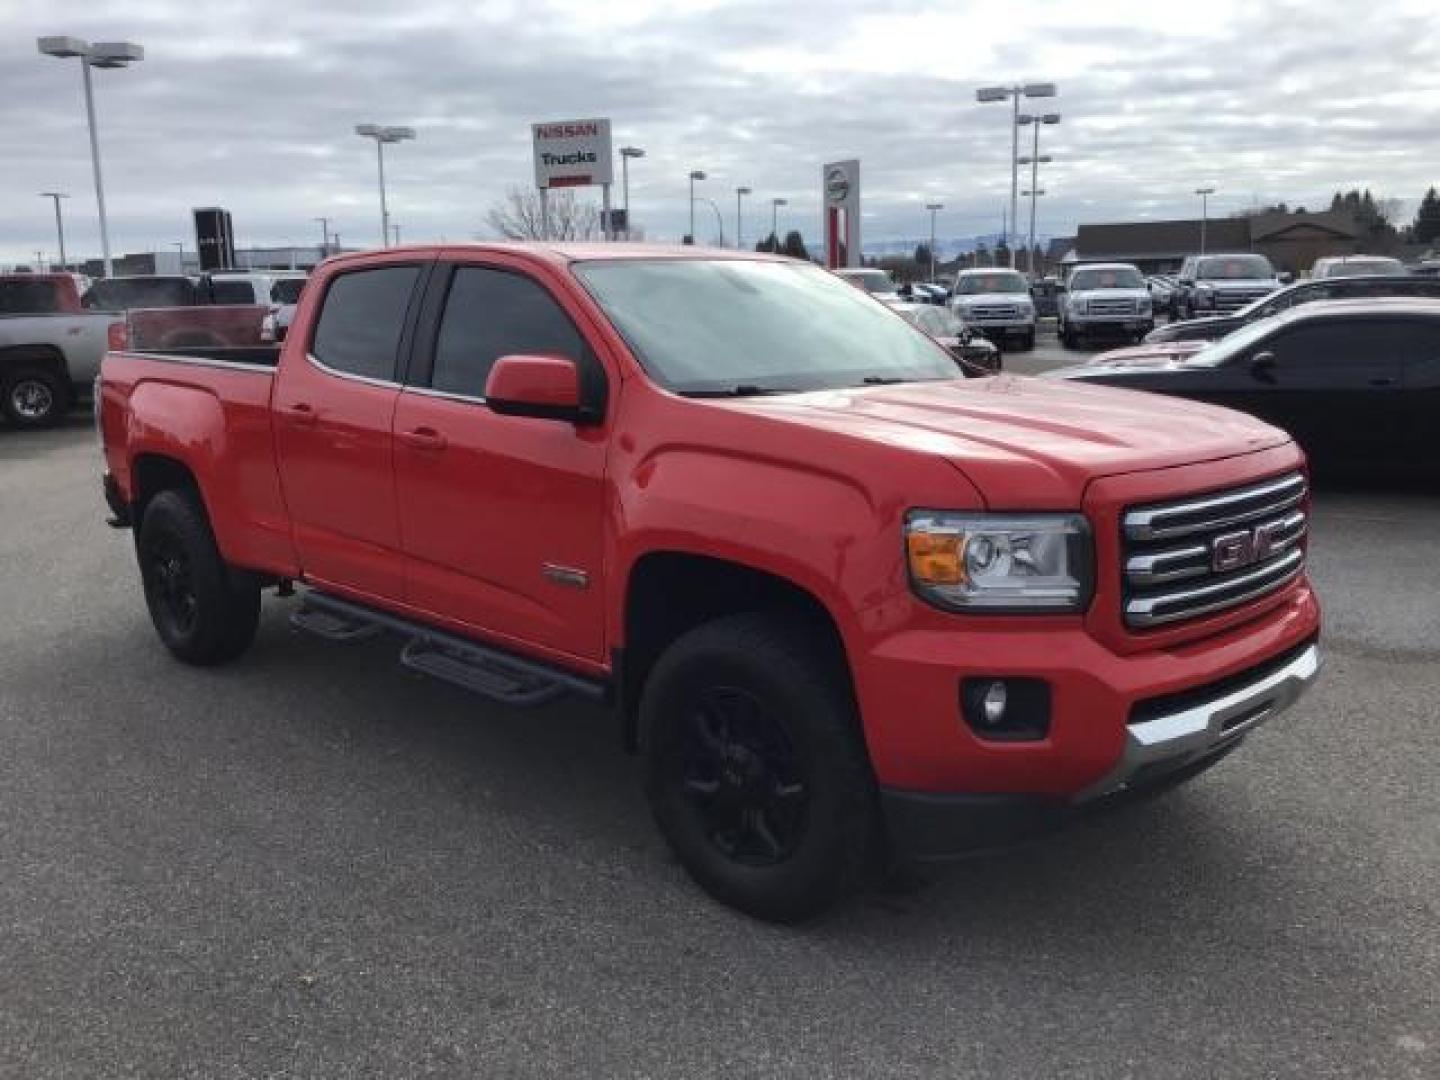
(518, 217)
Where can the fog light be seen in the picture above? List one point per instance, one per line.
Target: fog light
(993, 703)
(1006, 710)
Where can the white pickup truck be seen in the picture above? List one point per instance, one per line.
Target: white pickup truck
(996, 303)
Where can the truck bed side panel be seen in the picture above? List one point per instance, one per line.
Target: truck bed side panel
(216, 421)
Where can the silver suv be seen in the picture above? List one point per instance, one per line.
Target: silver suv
(996, 303)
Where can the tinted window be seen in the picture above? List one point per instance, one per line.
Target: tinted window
(1333, 353)
(122, 294)
(490, 314)
(28, 297)
(1234, 267)
(231, 292)
(287, 290)
(1106, 277)
(362, 319)
(1001, 282)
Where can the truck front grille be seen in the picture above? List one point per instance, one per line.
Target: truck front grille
(1228, 300)
(996, 311)
(1206, 554)
(1111, 308)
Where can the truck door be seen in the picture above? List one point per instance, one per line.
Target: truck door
(333, 403)
(501, 517)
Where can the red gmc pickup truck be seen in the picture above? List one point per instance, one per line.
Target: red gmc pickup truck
(852, 607)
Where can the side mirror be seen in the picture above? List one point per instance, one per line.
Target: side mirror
(1262, 366)
(543, 387)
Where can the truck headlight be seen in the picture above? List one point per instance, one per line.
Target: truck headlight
(1000, 563)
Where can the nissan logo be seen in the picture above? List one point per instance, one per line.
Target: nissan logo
(1245, 547)
(837, 185)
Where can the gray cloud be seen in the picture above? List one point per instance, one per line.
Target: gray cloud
(251, 105)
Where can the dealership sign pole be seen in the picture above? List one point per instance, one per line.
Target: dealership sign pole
(572, 153)
(840, 181)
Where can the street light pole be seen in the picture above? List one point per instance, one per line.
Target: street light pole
(933, 208)
(324, 236)
(719, 218)
(740, 193)
(695, 174)
(1204, 193)
(775, 205)
(1014, 93)
(59, 222)
(101, 54)
(1035, 161)
(626, 153)
(383, 135)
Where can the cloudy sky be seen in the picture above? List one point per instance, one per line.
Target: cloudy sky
(251, 104)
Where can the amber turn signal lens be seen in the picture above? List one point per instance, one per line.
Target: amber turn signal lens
(936, 558)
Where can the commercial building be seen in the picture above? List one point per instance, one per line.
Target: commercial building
(1291, 241)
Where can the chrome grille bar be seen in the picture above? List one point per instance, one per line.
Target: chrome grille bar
(1200, 555)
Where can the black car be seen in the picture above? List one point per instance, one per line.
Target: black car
(974, 355)
(1303, 292)
(1356, 382)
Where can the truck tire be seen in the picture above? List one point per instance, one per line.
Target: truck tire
(204, 612)
(756, 771)
(34, 397)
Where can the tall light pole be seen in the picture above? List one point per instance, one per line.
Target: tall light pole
(1204, 193)
(719, 219)
(626, 153)
(988, 94)
(775, 205)
(101, 54)
(324, 236)
(383, 135)
(59, 222)
(934, 208)
(740, 193)
(1036, 122)
(695, 174)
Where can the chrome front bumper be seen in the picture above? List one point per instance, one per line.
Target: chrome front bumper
(1172, 740)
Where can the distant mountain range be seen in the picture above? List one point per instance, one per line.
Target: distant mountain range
(947, 248)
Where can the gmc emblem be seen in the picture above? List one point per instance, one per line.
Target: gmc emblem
(1237, 549)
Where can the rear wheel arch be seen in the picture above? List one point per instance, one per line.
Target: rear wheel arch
(668, 593)
(151, 473)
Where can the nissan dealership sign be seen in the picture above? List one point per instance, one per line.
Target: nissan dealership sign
(572, 153)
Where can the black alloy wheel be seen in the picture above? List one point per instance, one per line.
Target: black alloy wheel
(742, 778)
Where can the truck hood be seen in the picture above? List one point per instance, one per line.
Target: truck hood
(1238, 284)
(1149, 354)
(1029, 443)
(991, 298)
(1111, 294)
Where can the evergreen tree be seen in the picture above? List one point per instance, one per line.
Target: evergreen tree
(1426, 229)
(922, 257)
(795, 245)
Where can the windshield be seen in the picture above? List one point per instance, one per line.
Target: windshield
(872, 281)
(1234, 268)
(122, 294)
(1221, 351)
(715, 325)
(1106, 277)
(935, 321)
(287, 290)
(1004, 281)
(1364, 267)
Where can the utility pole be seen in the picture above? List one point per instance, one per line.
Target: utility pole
(59, 222)
(324, 236)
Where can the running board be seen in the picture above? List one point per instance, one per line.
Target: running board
(478, 668)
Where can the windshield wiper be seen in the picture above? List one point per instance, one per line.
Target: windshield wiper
(742, 390)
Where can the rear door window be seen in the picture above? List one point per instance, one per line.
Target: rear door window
(362, 320)
(232, 292)
(29, 297)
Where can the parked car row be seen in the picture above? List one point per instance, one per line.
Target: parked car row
(1356, 382)
(53, 332)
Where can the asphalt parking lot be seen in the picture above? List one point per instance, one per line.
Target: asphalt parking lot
(311, 864)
